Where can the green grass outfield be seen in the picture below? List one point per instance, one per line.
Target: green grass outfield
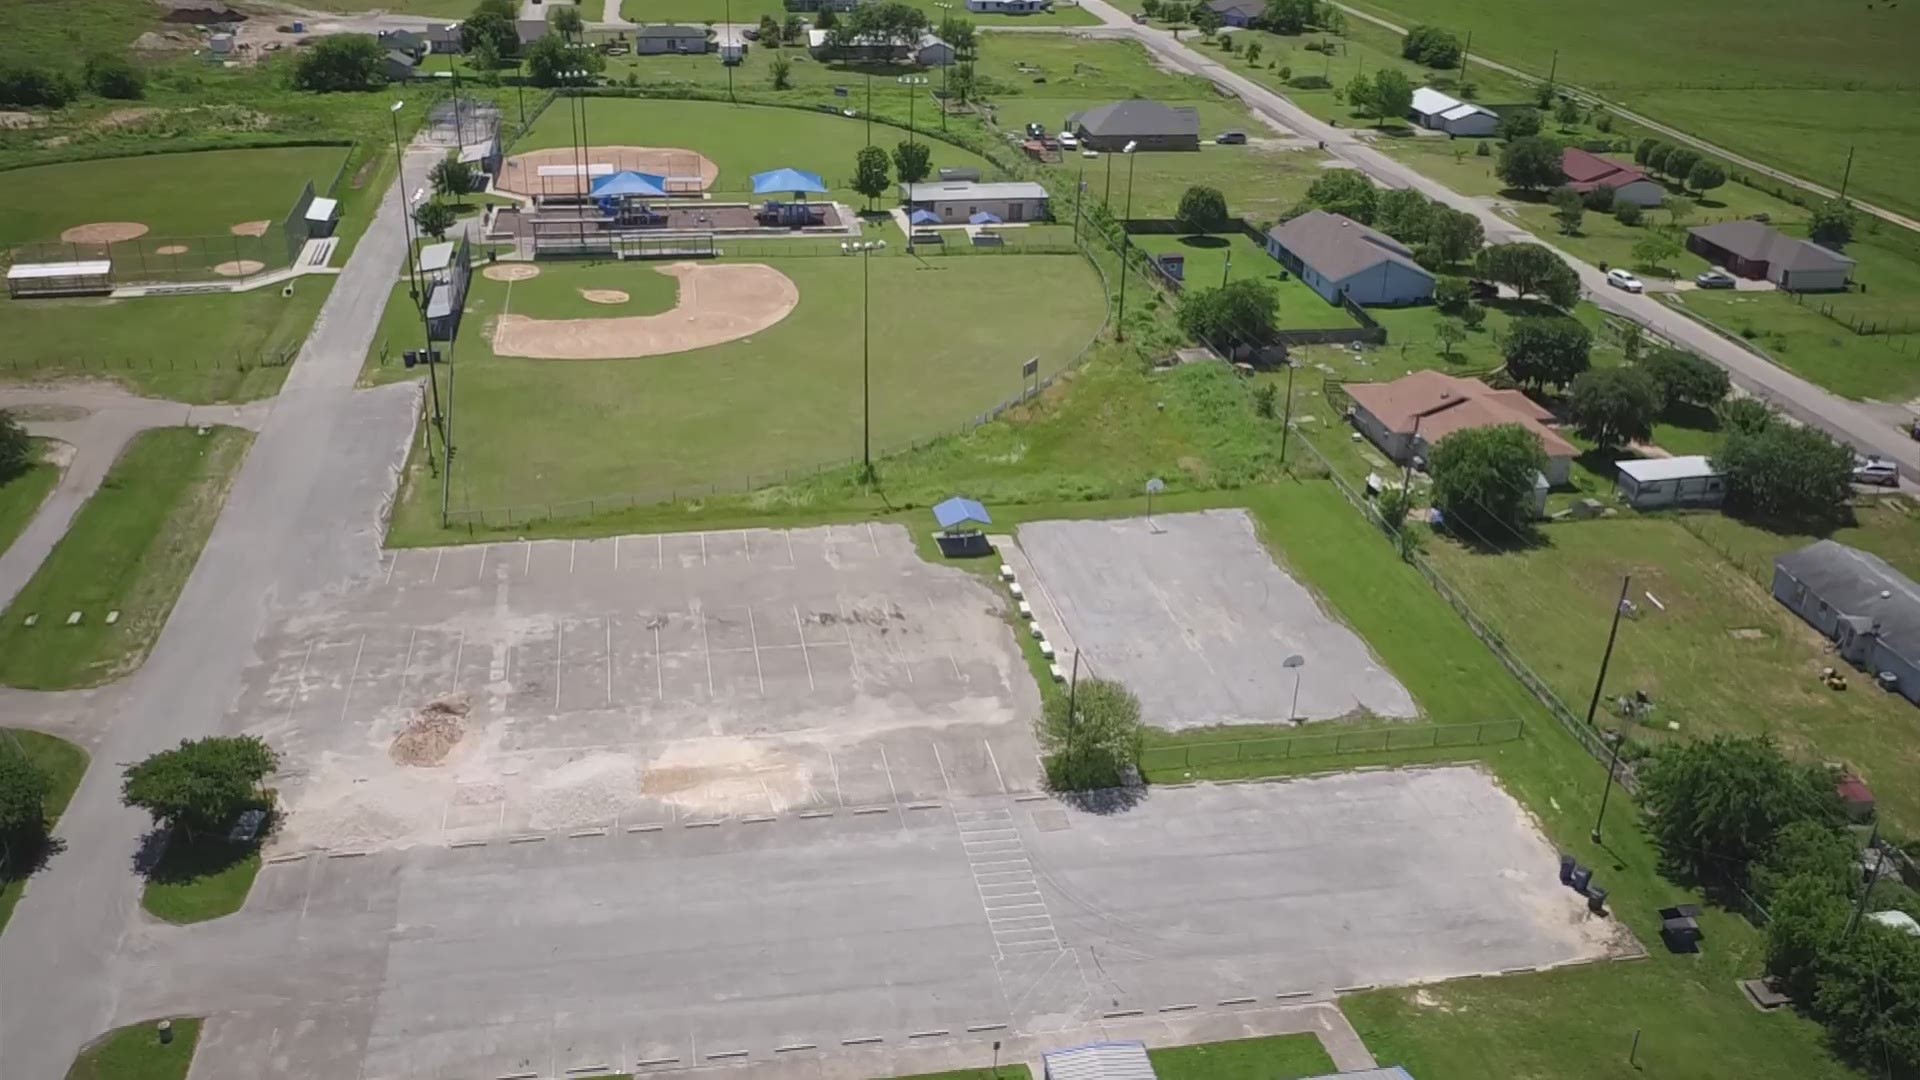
(64, 764)
(134, 1052)
(948, 338)
(174, 195)
(129, 549)
(21, 496)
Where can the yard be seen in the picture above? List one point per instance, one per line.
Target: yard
(135, 1052)
(1212, 259)
(1799, 338)
(129, 551)
(1281, 1057)
(64, 764)
(21, 495)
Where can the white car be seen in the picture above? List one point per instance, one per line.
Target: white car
(1068, 142)
(1620, 279)
(1873, 469)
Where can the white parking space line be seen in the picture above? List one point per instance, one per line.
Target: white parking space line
(412, 636)
(755, 637)
(941, 764)
(996, 766)
(889, 768)
(659, 552)
(659, 673)
(347, 698)
(789, 536)
(846, 627)
(609, 623)
(802, 627)
(437, 556)
(703, 549)
(559, 644)
(573, 550)
(616, 553)
(526, 564)
(300, 681)
(481, 574)
(704, 647)
(835, 766)
(391, 563)
(871, 539)
(459, 652)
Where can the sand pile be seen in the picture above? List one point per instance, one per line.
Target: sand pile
(432, 733)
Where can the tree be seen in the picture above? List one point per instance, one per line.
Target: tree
(1805, 919)
(1529, 162)
(870, 176)
(1831, 223)
(1745, 416)
(1568, 210)
(1392, 93)
(1684, 378)
(1820, 850)
(485, 58)
(1449, 334)
(1643, 149)
(1719, 803)
(1253, 52)
(769, 32)
(1680, 161)
(1530, 269)
(1546, 350)
(792, 29)
(1657, 156)
(1599, 200)
(492, 28)
(113, 76)
(1567, 113)
(1483, 478)
(33, 87)
(1404, 214)
(1202, 210)
(886, 20)
(1453, 235)
(781, 71)
(1239, 312)
(1096, 745)
(1627, 213)
(1150, 8)
(1452, 294)
(1287, 16)
(1614, 406)
(16, 449)
(1520, 123)
(1473, 315)
(23, 809)
(1344, 191)
(827, 20)
(1359, 94)
(1869, 999)
(1654, 250)
(912, 161)
(552, 61)
(202, 783)
(451, 178)
(1204, 19)
(341, 62)
(434, 218)
(1786, 473)
(1706, 175)
(567, 21)
(1678, 210)
(1430, 46)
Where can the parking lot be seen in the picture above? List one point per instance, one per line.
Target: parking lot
(1193, 615)
(636, 680)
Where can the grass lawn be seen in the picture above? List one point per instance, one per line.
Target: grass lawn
(21, 496)
(199, 348)
(200, 879)
(1005, 1072)
(1888, 526)
(786, 398)
(1065, 13)
(134, 1052)
(1802, 340)
(129, 550)
(32, 30)
(1280, 1057)
(174, 195)
(1207, 265)
(64, 764)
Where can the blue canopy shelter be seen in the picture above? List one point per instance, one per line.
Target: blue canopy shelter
(983, 217)
(923, 217)
(630, 183)
(796, 181)
(960, 519)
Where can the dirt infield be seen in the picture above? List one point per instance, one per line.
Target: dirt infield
(604, 296)
(251, 228)
(510, 272)
(717, 303)
(104, 232)
(520, 174)
(239, 267)
(170, 249)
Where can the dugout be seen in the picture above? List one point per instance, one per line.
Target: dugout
(88, 277)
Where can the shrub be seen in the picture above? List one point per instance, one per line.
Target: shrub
(16, 450)
(1431, 47)
(1452, 293)
(1096, 745)
(1202, 210)
(1786, 473)
(1519, 123)
(1483, 479)
(36, 87)
(113, 76)
(1482, 149)
(1627, 213)
(1614, 405)
(339, 63)
(1600, 200)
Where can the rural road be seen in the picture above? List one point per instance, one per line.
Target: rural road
(305, 512)
(1868, 428)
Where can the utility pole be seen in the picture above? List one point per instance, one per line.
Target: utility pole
(1465, 53)
(1120, 324)
(1593, 704)
(1287, 423)
(869, 108)
(1073, 690)
(1846, 175)
(723, 47)
(1079, 196)
(1406, 478)
(1553, 69)
(1227, 271)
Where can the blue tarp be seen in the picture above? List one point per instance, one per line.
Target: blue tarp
(923, 217)
(793, 180)
(629, 183)
(960, 511)
(984, 218)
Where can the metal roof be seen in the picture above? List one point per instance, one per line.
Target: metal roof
(436, 256)
(958, 510)
(1100, 1061)
(1430, 102)
(1684, 467)
(670, 31)
(960, 190)
(81, 268)
(1862, 585)
(322, 209)
(440, 302)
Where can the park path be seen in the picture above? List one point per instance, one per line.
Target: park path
(305, 514)
(1869, 427)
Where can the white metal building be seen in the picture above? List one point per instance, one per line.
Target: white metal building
(956, 201)
(1652, 483)
(1099, 1061)
(1441, 112)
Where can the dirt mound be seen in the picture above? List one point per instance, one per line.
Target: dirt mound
(510, 272)
(239, 267)
(251, 228)
(432, 733)
(604, 296)
(104, 232)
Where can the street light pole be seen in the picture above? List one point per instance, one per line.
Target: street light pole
(406, 203)
(723, 51)
(1079, 196)
(1120, 325)
(866, 248)
(1593, 704)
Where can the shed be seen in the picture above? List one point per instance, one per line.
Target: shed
(1689, 480)
(321, 216)
(436, 258)
(1869, 609)
(1436, 111)
(484, 156)
(1099, 1061)
(84, 277)
(1855, 796)
(399, 66)
(959, 201)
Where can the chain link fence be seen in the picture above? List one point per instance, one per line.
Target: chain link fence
(1329, 744)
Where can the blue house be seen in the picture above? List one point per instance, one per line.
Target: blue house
(1336, 255)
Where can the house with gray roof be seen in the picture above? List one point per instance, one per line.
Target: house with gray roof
(1336, 255)
(669, 38)
(1755, 250)
(1869, 609)
(1240, 13)
(1149, 124)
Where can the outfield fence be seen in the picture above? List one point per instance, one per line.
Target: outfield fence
(1330, 744)
(81, 363)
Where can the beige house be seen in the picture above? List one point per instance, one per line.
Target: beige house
(1408, 416)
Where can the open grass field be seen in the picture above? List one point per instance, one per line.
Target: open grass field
(1888, 526)
(21, 496)
(1208, 266)
(948, 338)
(1799, 338)
(129, 550)
(1282, 1057)
(32, 30)
(1792, 82)
(1065, 13)
(174, 195)
(135, 1052)
(201, 348)
(64, 764)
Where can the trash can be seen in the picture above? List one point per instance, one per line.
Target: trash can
(1596, 900)
(1566, 869)
(1581, 878)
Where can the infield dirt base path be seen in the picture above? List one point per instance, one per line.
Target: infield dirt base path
(686, 170)
(717, 303)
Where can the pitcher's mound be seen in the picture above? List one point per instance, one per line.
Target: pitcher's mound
(251, 228)
(510, 272)
(104, 232)
(604, 296)
(718, 303)
(239, 267)
(170, 249)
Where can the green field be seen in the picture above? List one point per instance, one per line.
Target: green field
(1207, 267)
(33, 30)
(64, 764)
(200, 879)
(1792, 82)
(1065, 13)
(1281, 1057)
(134, 1052)
(174, 195)
(129, 550)
(21, 496)
(948, 338)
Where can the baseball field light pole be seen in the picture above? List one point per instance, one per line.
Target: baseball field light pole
(1120, 324)
(731, 33)
(866, 248)
(406, 202)
(911, 82)
(946, 13)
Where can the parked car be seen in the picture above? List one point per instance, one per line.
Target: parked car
(1068, 142)
(1714, 279)
(1873, 470)
(1231, 138)
(1620, 279)
(1036, 131)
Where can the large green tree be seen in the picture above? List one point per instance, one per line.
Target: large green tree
(23, 810)
(1530, 270)
(1684, 378)
(1452, 236)
(451, 178)
(1431, 46)
(16, 449)
(492, 22)
(1096, 742)
(1805, 918)
(1869, 998)
(1787, 473)
(1520, 123)
(434, 217)
(1568, 210)
(1483, 480)
(1241, 312)
(1202, 210)
(1392, 94)
(912, 161)
(1831, 222)
(1344, 191)
(1546, 351)
(201, 784)
(1614, 406)
(1530, 162)
(1718, 804)
(1404, 214)
(870, 177)
(341, 62)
